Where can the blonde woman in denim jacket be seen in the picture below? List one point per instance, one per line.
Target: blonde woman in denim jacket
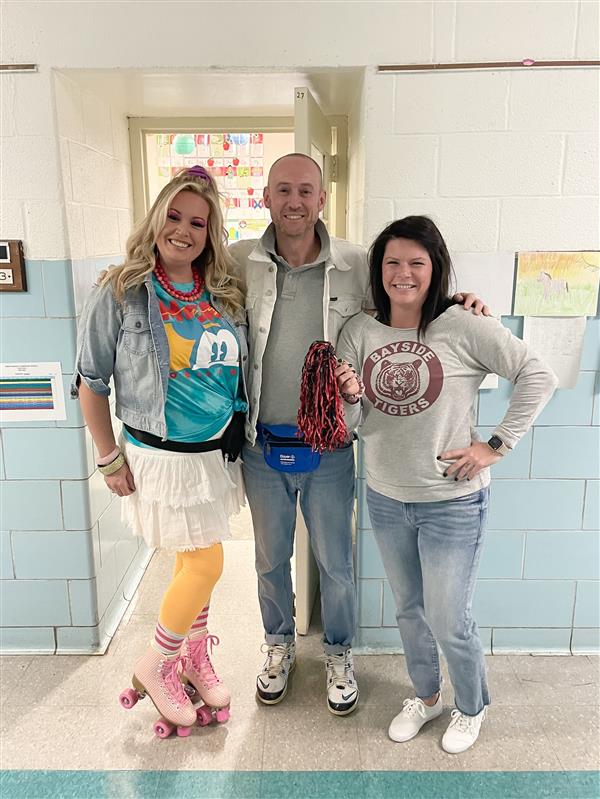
(168, 326)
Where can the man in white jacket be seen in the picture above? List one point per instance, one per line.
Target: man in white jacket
(302, 286)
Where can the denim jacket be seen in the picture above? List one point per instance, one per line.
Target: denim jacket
(127, 341)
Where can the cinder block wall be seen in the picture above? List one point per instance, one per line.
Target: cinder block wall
(501, 160)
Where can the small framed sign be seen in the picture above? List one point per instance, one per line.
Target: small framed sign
(12, 266)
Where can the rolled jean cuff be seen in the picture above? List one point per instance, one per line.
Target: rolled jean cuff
(472, 715)
(335, 649)
(271, 640)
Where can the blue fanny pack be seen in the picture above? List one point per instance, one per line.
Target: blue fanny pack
(284, 451)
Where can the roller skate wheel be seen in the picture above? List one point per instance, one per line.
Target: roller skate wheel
(163, 728)
(204, 716)
(222, 715)
(128, 698)
(183, 732)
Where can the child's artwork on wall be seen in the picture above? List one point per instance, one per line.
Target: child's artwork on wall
(557, 284)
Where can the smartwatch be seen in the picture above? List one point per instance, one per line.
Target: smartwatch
(498, 445)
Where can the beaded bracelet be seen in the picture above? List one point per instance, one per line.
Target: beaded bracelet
(113, 467)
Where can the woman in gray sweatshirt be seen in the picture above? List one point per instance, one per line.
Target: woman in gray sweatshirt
(422, 360)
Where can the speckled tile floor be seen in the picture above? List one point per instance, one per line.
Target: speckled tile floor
(64, 734)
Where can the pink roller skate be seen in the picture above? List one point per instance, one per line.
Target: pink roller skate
(158, 676)
(199, 672)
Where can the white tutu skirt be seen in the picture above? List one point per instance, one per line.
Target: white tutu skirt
(181, 501)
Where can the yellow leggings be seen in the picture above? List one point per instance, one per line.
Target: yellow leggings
(195, 575)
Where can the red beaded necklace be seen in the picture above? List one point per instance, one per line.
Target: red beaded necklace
(184, 296)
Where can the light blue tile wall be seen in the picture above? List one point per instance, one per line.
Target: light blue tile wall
(65, 574)
(52, 554)
(6, 564)
(578, 449)
(538, 586)
(531, 640)
(502, 554)
(558, 556)
(28, 639)
(370, 602)
(35, 603)
(591, 511)
(585, 639)
(587, 606)
(45, 454)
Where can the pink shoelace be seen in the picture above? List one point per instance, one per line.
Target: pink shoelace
(198, 649)
(169, 675)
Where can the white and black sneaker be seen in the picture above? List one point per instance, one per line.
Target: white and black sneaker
(272, 682)
(342, 690)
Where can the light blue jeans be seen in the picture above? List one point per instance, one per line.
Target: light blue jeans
(326, 501)
(430, 552)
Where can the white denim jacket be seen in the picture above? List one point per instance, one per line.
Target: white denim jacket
(346, 292)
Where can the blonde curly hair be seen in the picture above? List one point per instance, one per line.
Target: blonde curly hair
(215, 264)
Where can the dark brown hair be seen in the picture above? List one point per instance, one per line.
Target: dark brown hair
(425, 232)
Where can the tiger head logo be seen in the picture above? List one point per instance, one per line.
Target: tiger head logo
(399, 381)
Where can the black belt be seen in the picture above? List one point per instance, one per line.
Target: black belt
(173, 446)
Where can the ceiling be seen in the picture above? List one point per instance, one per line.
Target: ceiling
(217, 92)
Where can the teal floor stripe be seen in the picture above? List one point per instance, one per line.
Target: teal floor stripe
(299, 784)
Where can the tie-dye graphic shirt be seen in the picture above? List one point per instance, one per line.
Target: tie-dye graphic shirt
(204, 367)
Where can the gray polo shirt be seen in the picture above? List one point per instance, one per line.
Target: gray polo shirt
(297, 321)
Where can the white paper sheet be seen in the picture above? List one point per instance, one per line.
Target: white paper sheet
(559, 341)
(489, 381)
(31, 392)
(489, 275)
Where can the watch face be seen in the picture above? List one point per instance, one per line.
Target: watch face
(495, 442)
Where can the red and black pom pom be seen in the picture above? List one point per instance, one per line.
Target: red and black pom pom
(321, 414)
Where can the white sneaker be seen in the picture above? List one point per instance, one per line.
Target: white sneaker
(415, 713)
(342, 690)
(462, 732)
(272, 682)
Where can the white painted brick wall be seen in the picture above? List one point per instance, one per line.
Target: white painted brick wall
(469, 225)
(512, 31)
(45, 229)
(400, 165)
(557, 100)
(500, 164)
(125, 219)
(33, 106)
(588, 40)
(377, 215)
(97, 123)
(444, 19)
(287, 34)
(8, 125)
(451, 102)
(69, 107)
(549, 223)
(581, 164)
(101, 230)
(88, 173)
(95, 165)
(30, 168)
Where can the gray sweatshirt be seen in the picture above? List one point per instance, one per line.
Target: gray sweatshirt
(419, 397)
